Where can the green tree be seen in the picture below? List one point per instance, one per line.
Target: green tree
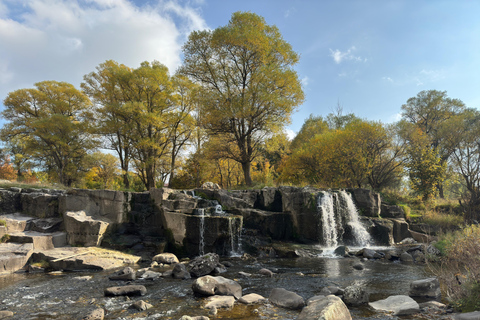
(54, 121)
(249, 86)
(103, 170)
(312, 126)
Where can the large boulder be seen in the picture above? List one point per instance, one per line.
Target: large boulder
(429, 288)
(203, 265)
(84, 230)
(400, 230)
(367, 201)
(327, 308)
(166, 258)
(180, 272)
(400, 305)
(286, 299)
(130, 290)
(40, 205)
(355, 295)
(9, 201)
(220, 302)
(210, 286)
(382, 231)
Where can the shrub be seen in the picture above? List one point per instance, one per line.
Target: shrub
(3, 223)
(5, 238)
(459, 268)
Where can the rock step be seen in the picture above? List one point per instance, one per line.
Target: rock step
(40, 241)
(14, 256)
(15, 222)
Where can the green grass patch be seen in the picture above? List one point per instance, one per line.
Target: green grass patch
(3, 223)
(5, 238)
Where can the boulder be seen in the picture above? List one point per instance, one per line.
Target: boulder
(210, 185)
(286, 299)
(406, 257)
(40, 205)
(9, 201)
(4, 314)
(382, 231)
(209, 285)
(97, 314)
(252, 298)
(180, 272)
(328, 308)
(391, 211)
(400, 305)
(265, 272)
(151, 275)
(355, 295)
(367, 201)
(429, 288)
(141, 305)
(45, 225)
(400, 230)
(358, 266)
(130, 290)
(341, 251)
(369, 253)
(203, 265)
(217, 302)
(126, 274)
(84, 230)
(166, 258)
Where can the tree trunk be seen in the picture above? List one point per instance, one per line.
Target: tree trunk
(440, 191)
(126, 181)
(246, 173)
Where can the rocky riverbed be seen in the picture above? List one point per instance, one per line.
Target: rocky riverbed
(73, 295)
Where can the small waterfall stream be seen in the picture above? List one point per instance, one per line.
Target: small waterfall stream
(337, 210)
(201, 248)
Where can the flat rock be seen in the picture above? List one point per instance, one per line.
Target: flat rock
(141, 305)
(218, 302)
(266, 272)
(131, 290)
(79, 258)
(126, 274)
(252, 298)
(14, 256)
(400, 305)
(151, 275)
(83, 229)
(4, 314)
(429, 288)
(468, 316)
(208, 285)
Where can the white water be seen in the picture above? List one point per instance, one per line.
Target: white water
(235, 246)
(361, 235)
(331, 218)
(219, 210)
(329, 226)
(201, 248)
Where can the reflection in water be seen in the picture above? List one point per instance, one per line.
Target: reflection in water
(332, 267)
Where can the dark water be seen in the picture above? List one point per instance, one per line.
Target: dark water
(45, 296)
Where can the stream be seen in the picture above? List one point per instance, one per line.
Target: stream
(66, 296)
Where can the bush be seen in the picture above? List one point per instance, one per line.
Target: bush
(459, 268)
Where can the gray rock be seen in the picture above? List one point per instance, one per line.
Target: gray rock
(391, 211)
(358, 266)
(166, 258)
(315, 298)
(245, 274)
(151, 275)
(367, 201)
(217, 302)
(180, 272)
(84, 230)
(210, 185)
(341, 251)
(96, 314)
(468, 316)
(328, 308)
(432, 250)
(208, 285)
(286, 299)
(126, 274)
(369, 253)
(355, 295)
(406, 257)
(203, 265)
(130, 290)
(429, 288)
(266, 272)
(141, 305)
(400, 305)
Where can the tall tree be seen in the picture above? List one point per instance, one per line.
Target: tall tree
(107, 87)
(54, 120)
(249, 86)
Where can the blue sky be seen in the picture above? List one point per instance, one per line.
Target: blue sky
(368, 56)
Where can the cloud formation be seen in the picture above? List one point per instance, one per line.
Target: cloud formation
(339, 56)
(66, 39)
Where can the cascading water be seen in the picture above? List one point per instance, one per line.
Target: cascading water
(337, 210)
(361, 235)
(329, 226)
(201, 248)
(235, 239)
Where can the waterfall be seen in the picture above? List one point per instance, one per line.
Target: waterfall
(235, 239)
(329, 225)
(338, 210)
(361, 235)
(219, 210)
(201, 248)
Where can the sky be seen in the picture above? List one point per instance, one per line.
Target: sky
(367, 56)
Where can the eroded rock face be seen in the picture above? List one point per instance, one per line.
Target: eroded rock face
(84, 230)
(326, 308)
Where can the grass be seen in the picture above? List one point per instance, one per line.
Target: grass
(41, 264)
(442, 220)
(9, 184)
(3, 223)
(5, 238)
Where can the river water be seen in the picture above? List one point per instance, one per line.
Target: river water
(65, 296)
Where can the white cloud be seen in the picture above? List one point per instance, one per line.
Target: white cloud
(289, 11)
(394, 118)
(388, 79)
(305, 80)
(339, 56)
(66, 39)
(290, 133)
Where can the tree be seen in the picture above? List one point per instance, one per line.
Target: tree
(108, 89)
(433, 112)
(312, 126)
(54, 120)
(103, 170)
(249, 86)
